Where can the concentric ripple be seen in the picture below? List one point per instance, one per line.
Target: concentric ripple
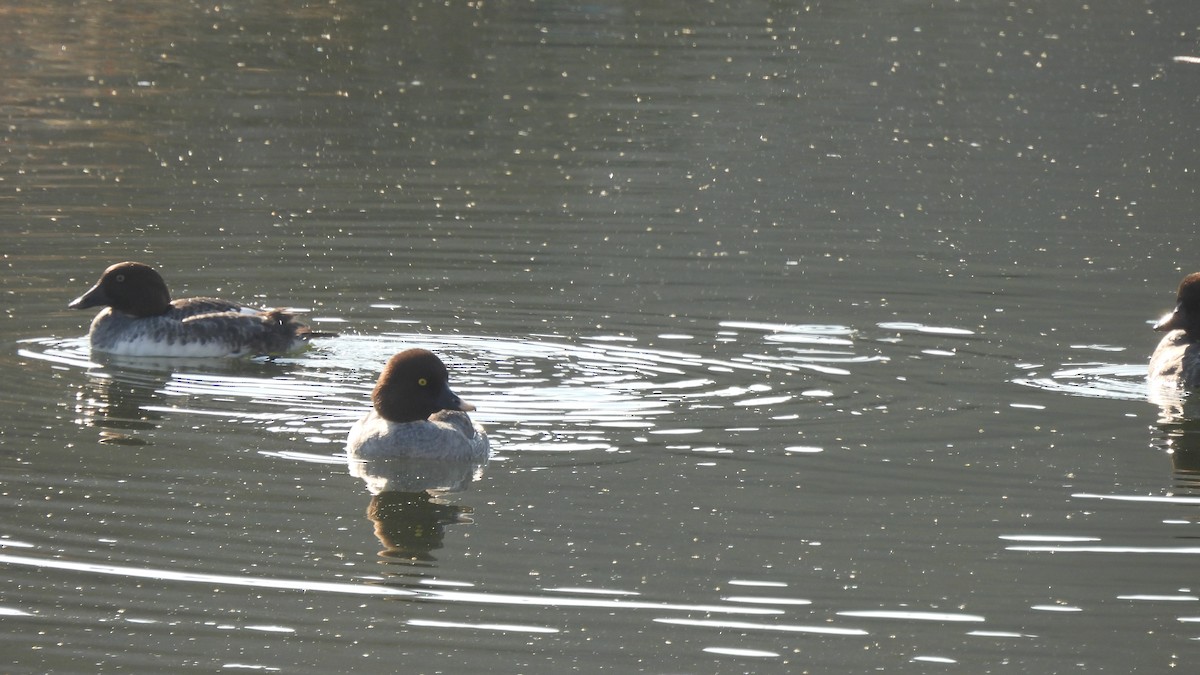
(535, 394)
(543, 393)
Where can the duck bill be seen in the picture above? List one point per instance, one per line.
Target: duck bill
(95, 297)
(448, 400)
(1171, 321)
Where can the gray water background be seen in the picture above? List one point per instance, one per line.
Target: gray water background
(810, 337)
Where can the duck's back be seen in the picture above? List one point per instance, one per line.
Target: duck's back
(184, 308)
(1176, 361)
(199, 327)
(447, 435)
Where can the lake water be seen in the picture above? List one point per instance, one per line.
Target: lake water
(811, 337)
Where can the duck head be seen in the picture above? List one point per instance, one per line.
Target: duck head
(414, 385)
(129, 287)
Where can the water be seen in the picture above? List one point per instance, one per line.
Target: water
(810, 337)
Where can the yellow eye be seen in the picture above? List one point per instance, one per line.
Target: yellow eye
(422, 381)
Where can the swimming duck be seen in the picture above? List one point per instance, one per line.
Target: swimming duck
(140, 319)
(1176, 360)
(414, 415)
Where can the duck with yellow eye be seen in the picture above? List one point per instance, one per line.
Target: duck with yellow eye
(415, 415)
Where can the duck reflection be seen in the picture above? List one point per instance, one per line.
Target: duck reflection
(117, 404)
(1179, 431)
(411, 525)
(409, 503)
(120, 393)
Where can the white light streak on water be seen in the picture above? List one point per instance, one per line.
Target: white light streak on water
(745, 625)
(911, 616)
(503, 627)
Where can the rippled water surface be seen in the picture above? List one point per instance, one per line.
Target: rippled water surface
(810, 337)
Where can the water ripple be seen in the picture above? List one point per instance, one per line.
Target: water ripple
(373, 589)
(538, 394)
(1122, 382)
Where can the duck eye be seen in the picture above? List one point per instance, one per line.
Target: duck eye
(422, 381)
(120, 277)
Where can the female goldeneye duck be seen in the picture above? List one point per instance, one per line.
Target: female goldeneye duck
(140, 319)
(1176, 360)
(414, 415)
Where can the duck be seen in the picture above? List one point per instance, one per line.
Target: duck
(140, 319)
(415, 416)
(1176, 360)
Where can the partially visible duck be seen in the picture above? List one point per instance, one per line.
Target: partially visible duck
(140, 319)
(1176, 360)
(415, 415)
